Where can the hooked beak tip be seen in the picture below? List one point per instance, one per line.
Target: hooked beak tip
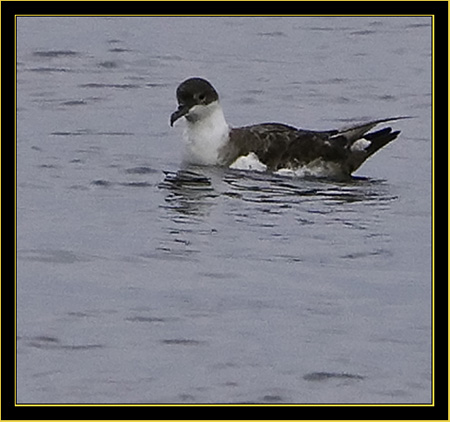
(182, 111)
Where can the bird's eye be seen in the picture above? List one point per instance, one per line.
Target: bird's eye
(202, 97)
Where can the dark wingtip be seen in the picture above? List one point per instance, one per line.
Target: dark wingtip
(380, 139)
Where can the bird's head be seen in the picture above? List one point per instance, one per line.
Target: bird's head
(196, 97)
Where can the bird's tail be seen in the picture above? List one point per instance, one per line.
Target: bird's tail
(379, 139)
(362, 143)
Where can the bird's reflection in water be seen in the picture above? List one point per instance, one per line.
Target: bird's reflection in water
(204, 206)
(193, 191)
(189, 192)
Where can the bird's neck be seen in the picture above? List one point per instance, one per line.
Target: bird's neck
(206, 133)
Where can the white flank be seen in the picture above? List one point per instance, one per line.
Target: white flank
(248, 162)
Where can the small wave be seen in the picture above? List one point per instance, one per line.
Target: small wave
(325, 376)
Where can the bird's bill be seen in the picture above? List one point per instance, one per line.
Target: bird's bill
(182, 110)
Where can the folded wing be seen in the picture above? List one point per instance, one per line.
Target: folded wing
(280, 146)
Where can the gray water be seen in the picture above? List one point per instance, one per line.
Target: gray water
(139, 281)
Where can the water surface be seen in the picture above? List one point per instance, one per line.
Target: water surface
(140, 281)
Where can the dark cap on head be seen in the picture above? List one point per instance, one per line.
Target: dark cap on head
(191, 92)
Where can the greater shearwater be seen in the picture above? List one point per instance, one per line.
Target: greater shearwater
(274, 147)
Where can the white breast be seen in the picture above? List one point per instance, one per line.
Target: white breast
(206, 132)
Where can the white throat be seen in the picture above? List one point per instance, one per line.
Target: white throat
(206, 132)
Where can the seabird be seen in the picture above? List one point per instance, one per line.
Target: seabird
(274, 147)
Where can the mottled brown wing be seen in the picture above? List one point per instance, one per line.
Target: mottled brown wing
(282, 146)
